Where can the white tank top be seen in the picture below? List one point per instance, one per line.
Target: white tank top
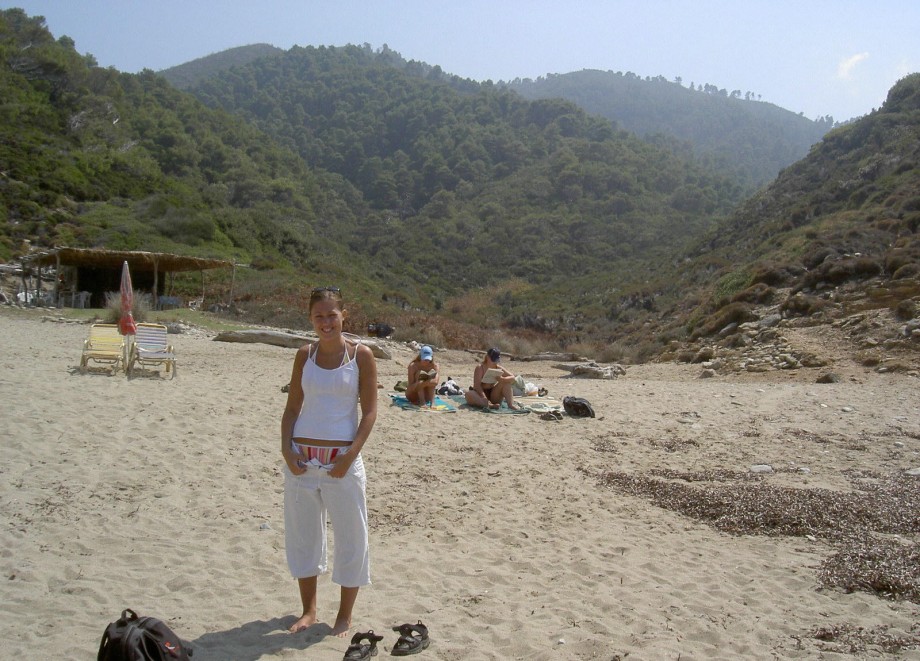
(330, 400)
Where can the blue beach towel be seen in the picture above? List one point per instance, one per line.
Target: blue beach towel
(440, 405)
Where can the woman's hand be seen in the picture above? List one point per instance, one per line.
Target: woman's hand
(342, 463)
(291, 458)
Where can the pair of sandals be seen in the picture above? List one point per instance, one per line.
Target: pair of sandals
(413, 638)
(551, 415)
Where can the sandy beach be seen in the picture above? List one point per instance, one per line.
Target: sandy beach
(499, 532)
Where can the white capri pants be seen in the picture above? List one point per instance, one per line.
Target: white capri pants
(307, 500)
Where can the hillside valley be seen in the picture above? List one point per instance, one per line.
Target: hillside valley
(742, 137)
(465, 214)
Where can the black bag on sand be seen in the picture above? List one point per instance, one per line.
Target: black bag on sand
(133, 638)
(577, 407)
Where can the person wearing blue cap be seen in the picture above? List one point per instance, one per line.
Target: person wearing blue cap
(423, 378)
(491, 383)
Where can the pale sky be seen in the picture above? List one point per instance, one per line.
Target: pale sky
(817, 57)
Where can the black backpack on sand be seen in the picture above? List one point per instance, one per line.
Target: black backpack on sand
(133, 638)
(577, 407)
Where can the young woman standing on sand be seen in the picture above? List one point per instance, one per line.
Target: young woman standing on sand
(321, 440)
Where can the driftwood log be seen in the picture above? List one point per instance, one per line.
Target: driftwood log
(592, 370)
(275, 338)
(289, 340)
(550, 355)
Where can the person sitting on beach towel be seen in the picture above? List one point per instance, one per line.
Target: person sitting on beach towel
(423, 378)
(492, 383)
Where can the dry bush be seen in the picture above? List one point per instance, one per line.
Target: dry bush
(423, 334)
(898, 258)
(906, 271)
(704, 354)
(631, 353)
(911, 222)
(686, 355)
(515, 345)
(888, 295)
(733, 313)
(775, 275)
(905, 310)
(801, 305)
(139, 310)
(817, 256)
(759, 293)
(836, 272)
(585, 349)
(867, 267)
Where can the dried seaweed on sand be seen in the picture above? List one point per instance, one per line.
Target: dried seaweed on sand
(853, 521)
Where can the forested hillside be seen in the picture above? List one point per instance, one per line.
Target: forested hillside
(849, 210)
(839, 227)
(730, 132)
(335, 156)
(186, 75)
(464, 177)
(92, 157)
(427, 195)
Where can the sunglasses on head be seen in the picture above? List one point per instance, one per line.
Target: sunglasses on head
(320, 290)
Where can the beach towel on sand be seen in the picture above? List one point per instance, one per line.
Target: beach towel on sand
(461, 401)
(440, 405)
(539, 404)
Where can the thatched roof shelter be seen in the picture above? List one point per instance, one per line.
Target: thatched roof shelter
(137, 260)
(148, 265)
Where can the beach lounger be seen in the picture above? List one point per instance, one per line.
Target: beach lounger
(151, 347)
(104, 345)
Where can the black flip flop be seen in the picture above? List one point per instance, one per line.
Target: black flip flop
(358, 650)
(409, 642)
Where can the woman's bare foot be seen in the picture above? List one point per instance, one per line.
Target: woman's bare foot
(306, 620)
(342, 625)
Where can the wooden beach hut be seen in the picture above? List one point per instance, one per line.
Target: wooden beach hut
(84, 275)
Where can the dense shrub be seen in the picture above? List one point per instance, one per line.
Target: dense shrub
(757, 293)
(775, 275)
(905, 310)
(801, 305)
(907, 271)
(733, 313)
(817, 255)
(729, 285)
(839, 271)
(899, 257)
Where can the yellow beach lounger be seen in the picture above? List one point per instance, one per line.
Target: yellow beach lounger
(104, 345)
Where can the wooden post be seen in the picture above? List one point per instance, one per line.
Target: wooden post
(156, 273)
(232, 278)
(57, 280)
